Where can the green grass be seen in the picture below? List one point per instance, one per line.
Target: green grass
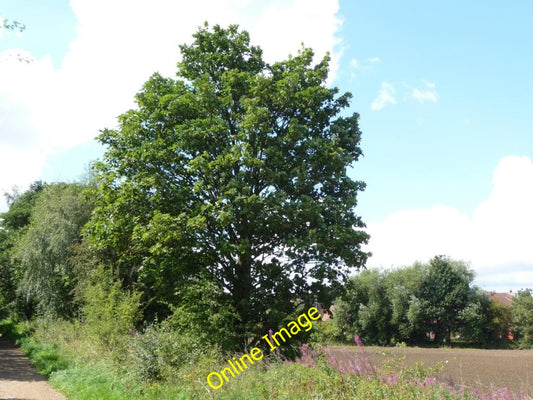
(82, 382)
(46, 358)
(77, 377)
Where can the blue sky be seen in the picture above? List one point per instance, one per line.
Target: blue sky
(443, 90)
(479, 59)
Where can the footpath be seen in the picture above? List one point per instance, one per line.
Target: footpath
(19, 380)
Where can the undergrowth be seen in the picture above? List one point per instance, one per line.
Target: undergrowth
(162, 364)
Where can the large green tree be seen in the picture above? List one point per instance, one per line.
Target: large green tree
(236, 173)
(445, 293)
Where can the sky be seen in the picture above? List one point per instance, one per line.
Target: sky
(443, 90)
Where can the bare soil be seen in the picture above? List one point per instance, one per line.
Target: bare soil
(19, 380)
(475, 369)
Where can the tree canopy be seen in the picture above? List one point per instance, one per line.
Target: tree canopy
(522, 309)
(234, 173)
(445, 294)
(425, 303)
(43, 253)
(13, 224)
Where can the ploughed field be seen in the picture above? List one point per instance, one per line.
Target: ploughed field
(475, 369)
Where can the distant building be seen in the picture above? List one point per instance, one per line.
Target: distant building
(505, 299)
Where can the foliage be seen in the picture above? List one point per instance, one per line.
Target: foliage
(13, 224)
(326, 332)
(405, 305)
(43, 252)
(485, 322)
(20, 206)
(202, 313)
(160, 351)
(475, 317)
(499, 322)
(323, 374)
(369, 306)
(522, 312)
(236, 173)
(403, 292)
(444, 295)
(7, 279)
(383, 307)
(12, 331)
(11, 25)
(108, 311)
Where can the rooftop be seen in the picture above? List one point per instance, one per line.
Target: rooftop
(505, 299)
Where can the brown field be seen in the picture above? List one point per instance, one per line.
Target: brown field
(471, 368)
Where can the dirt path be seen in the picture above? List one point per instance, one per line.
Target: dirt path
(19, 380)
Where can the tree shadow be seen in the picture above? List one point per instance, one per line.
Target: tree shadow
(15, 366)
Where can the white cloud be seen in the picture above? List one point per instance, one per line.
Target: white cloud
(44, 109)
(495, 238)
(20, 167)
(409, 235)
(280, 27)
(503, 224)
(386, 96)
(365, 65)
(428, 93)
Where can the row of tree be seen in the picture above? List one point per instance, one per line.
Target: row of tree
(47, 268)
(430, 303)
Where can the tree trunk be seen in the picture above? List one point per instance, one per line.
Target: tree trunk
(448, 340)
(241, 294)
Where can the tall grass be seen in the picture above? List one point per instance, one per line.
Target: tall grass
(162, 364)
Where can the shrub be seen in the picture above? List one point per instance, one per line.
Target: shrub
(203, 312)
(160, 352)
(326, 332)
(109, 312)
